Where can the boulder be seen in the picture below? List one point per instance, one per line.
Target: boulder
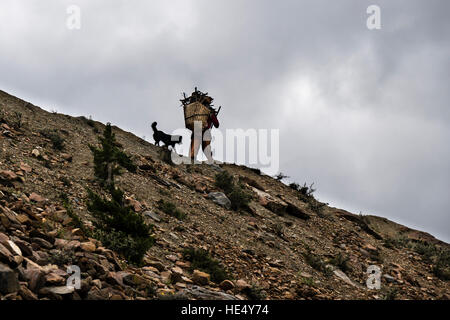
(152, 216)
(61, 290)
(176, 275)
(220, 198)
(8, 175)
(5, 255)
(271, 203)
(8, 280)
(13, 248)
(35, 153)
(200, 278)
(241, 285)
(88, 246)
(226, 285)
(36, 198)
(25, 167)
(341, 275)
(199, 293)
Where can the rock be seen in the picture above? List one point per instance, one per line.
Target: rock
(241, 285)
(305, 275)
(370, 248)
(14, 248)
(35, 153)
(226, 285)
(54, 278)
(35, 277)
(389, 278)
(271, 203)
(150, 269)
(23, 219)
(60, 243)
(338, 273)
(8, 280)
(156, 264)
(73, 245)
(152, 216)
(88, 246)
(3, 238)
(136, 205)
(5, 255)
(172, 257)
(183, 264)
(62, 290)
(97, 283)
(295, 211)
(26, 293)
(180, 285)
(115, 278)
(42, 243)
(25, 167)
(25, 248)
(176, 275)
(165, 276)
(199, 293)
(36, 198)
(66, 157)
(8, 175)
(200, 278)
(220, 198)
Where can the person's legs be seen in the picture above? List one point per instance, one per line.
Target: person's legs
(195, 145)
(206, 146)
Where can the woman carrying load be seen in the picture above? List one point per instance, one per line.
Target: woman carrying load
(203, 137)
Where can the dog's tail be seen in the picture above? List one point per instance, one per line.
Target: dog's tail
(154, 125)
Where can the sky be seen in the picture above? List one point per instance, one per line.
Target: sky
(361, 113)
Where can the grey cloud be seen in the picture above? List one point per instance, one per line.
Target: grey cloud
(362, 113)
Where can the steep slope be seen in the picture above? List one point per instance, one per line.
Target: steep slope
(285, 246)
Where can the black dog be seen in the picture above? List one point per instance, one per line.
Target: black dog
(167, 139)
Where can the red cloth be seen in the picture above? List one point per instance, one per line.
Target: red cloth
(212, 120)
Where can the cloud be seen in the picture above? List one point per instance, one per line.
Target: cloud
(364, 114)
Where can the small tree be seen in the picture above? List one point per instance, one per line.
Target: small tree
(109, 158)
(281, 176)
(118, 226)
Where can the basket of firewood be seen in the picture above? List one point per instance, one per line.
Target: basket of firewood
(197, 107)
(196, 112)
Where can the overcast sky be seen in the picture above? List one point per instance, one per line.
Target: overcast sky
(362, 113)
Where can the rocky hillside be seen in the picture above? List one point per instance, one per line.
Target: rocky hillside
(283, 245)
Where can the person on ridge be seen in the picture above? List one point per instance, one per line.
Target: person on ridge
(204, 138)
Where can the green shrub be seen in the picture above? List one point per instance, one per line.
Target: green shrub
(426, 250)
(201, 260)
(224, 181)
(255, 292)
(61, 257)
(54, 137)
(171, 209)
(341, 262)
(239, 198)
(131, 248)
(118, 226)
(390, 294)
(235, 192)
(316, 262)
(400, 242)
(441, 268)
(309, 281)
(109, 158)
(280, 176)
